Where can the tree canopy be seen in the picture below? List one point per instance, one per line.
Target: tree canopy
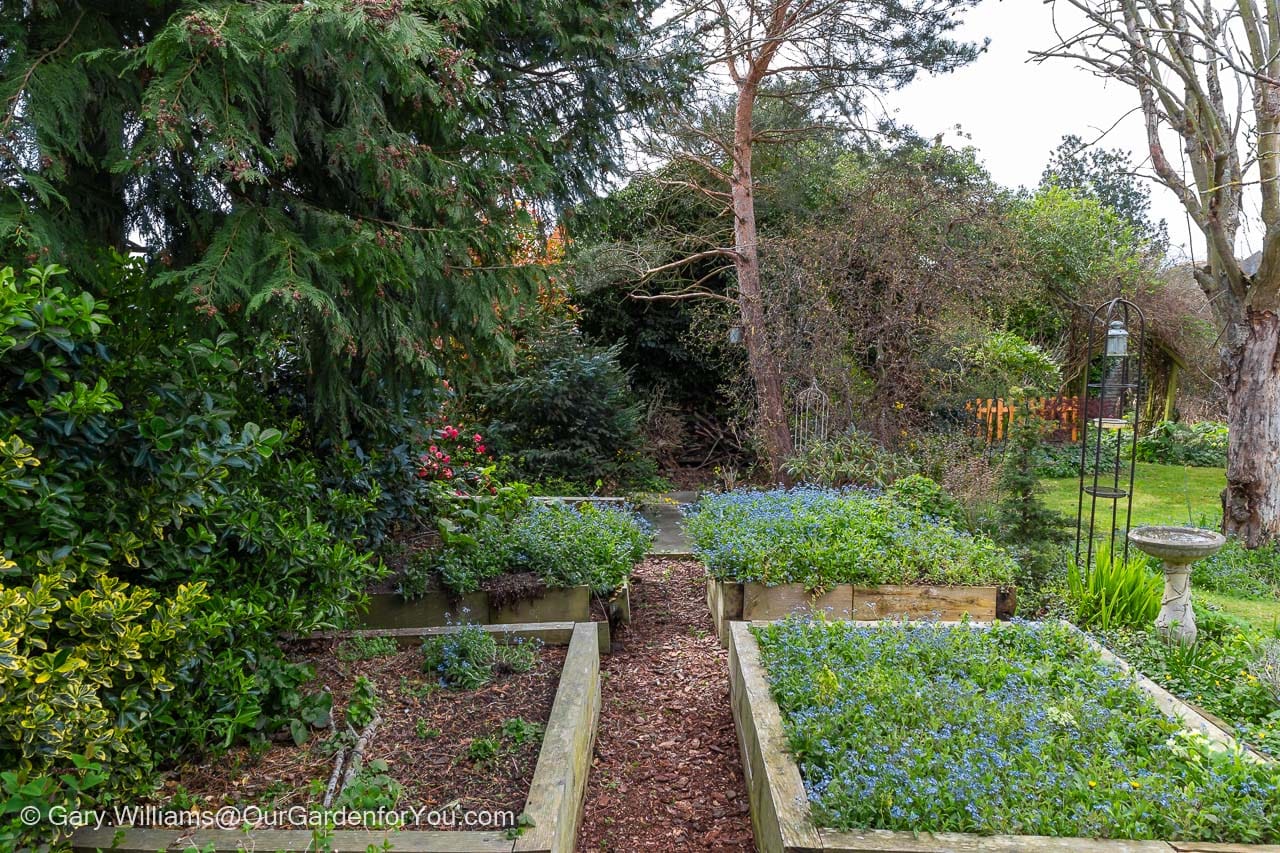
(346, 180)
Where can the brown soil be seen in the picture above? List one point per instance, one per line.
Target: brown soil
(434, 771)
(666, 774)
(512, 588)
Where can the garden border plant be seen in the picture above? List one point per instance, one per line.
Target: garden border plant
(780, 808)
(578, 548)
(553, 809)
(846, 553)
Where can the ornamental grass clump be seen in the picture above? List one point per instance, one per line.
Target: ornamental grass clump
(822, 537)
(1019, 729)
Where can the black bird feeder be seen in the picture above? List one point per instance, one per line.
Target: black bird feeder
(1111, 403)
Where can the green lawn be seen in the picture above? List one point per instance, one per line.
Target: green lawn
(1262, 614)
(1161, 495)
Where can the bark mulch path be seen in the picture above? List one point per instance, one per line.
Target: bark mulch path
(430, 760)
(666, 773)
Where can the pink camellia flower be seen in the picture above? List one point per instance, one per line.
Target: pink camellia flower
(449, 432)
(479, 448)
(432, 449)
(445, 459)
(448, 472)
(477, 438)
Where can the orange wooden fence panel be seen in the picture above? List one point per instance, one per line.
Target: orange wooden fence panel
(995, 416)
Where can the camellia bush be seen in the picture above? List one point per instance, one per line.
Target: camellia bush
(822, 537)
(1029, 732)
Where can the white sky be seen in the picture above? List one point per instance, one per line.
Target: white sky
(1015, 112)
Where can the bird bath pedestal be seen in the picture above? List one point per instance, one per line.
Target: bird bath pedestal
(1178, 547)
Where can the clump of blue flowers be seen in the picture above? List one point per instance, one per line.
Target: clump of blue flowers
(1020, 729)
(821, 537)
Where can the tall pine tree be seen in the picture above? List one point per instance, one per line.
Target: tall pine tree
(345, 179)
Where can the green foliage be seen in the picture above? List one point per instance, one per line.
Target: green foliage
(468, 657)
(821, 537)
(424, 731)
(925, 497)
(1056, 461)
(155, 542)
(1109, 177)
(362, 707)
(1031, 732)
(1239, 571)
(371, 789)
(1201, 445)
(563, 544)
(366, 648)
(334, 178)
(510, 737)
(1074, 244)
(851, 459)
(1029, 527)
(463, 659)
(1115, 592)
(567, 411)
(1219, 672)
(1005, 364)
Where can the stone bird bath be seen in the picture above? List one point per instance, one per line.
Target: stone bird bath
(1178, 548)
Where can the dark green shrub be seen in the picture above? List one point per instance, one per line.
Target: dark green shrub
(175, 538)
(568, 412)
(1201, 445)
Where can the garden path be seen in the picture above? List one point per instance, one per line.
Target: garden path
(666, 774)
(664, 514)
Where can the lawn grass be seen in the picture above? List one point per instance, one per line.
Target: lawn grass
(1264, 615)
(1161, 495)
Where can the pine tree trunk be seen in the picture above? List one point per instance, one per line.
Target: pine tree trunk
(761, 362)
(1251, 501)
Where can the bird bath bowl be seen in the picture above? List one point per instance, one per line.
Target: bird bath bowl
(1178, 548)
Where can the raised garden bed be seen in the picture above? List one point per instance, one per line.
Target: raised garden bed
(439, 608)
(847, 554)
(919, 740)
(554, 560)
(473, 747)
(731, 601)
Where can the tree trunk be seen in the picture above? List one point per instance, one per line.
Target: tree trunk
(1251, 501)
(761, 362)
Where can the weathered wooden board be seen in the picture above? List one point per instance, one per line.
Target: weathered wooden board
(550, 633)
(284, 841)
(559, 786)
(391, 610)
(620, 606)
(945, 603)
(760, 602)
(779, 808)
(555, 605)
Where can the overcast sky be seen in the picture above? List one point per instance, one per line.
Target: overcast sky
(1015, 111)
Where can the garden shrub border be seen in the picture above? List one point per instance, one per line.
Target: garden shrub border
(730, 601)
(554, 804)
(780, 814)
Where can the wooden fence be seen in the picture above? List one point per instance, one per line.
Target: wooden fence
(995, 416)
